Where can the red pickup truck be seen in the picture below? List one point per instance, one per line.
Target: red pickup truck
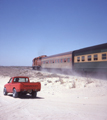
(21, 85)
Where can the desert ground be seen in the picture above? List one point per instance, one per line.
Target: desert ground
(62, 97)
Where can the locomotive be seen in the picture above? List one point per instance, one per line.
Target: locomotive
(37, 63)
(89, 59)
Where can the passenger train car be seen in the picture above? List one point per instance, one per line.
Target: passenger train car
(90, 59)
(59, 62)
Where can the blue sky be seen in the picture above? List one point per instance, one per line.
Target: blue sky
(30, 28)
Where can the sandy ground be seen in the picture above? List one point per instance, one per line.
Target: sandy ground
(62, 97)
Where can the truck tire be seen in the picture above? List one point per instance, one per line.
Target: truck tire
(4, 91)
(15, 93)
(34, 94)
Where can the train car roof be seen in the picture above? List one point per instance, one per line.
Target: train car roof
(61, 54)
(91, 48)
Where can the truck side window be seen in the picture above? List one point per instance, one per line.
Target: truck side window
(26, 79)
(16, 79)
(10, 80)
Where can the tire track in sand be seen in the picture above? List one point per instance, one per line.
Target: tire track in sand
(16, 106)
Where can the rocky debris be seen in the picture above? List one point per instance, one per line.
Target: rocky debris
(50, 78)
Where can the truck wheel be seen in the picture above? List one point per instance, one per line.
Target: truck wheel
(4, 91)
(34, 94)
(15, 94)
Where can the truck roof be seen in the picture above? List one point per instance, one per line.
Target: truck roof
(20, 77)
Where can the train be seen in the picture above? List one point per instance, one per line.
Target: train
(90, 59)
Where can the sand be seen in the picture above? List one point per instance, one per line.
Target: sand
(62, 97)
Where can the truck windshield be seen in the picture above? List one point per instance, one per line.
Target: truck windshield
(20, 79)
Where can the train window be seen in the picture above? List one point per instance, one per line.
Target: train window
(78, 59)
(64, 60)
(55, 61)
(89, 58)
(61, 60)
(68, 60)
(83, 58)
(104, 56)
(47, 62)
(95, 57)
(58, 60)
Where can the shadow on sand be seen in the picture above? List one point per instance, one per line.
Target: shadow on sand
(26, 96)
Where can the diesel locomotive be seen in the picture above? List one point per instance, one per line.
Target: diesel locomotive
(90, 59)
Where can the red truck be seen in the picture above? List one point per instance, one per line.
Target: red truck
(21, 85)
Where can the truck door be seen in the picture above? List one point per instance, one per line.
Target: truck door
(9, 85)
